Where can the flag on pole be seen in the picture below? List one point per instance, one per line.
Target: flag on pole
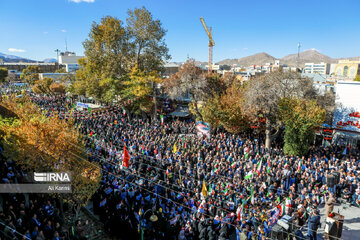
(204, 190)
(174, 149)
(259, 167)
(268, 167)
(162, 119)
(89, 110)
(299, 166)
(126, 157)
(233, 165)
(282, 208)
(252, 195)
(248, 175)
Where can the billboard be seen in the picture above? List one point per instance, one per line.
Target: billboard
(347, 106)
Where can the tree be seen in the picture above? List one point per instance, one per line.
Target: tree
(189, 80)
(58, 88)
(43, 85)
(31, 74)
(140, 86)
(106, 50)
(3, 74)
(227, 109)
(300, 117)
(264, 93)
(12, 77)
(47, 144)
(147, 44)
(60, 70)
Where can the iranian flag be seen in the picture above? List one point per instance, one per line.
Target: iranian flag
(252, 195)
(240, 211)
(299, 166)
(268, 167)
(233, 165)
(286, 165)
(282, 208)
(216, 170)
(249, 175)
(258, 169)
(162, 119)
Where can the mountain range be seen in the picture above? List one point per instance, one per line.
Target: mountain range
(308, 56)
(13, 58)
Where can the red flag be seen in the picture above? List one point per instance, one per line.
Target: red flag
(126, 157)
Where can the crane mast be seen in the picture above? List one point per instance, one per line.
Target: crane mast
(211, 44)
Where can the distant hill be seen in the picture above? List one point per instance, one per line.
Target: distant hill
(50, 60)
(256, 59)
(304, 57)
(12, 58)
(309, 56)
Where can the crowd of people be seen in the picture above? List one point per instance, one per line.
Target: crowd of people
(178, 185)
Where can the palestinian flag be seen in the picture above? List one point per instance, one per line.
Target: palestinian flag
(233, 165)
(248, 175)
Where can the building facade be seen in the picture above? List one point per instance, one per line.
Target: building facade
(346, 68)
(320, 68)
(70, 60)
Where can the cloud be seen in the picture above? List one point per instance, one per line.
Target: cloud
(46, 33)
(79, 1)
(16, 50)
(63, 30)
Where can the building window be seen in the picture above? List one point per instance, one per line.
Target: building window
(346, 68)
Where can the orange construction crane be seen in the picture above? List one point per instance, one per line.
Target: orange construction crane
(211, 44)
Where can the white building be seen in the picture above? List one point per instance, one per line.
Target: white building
(321, 68)
(70, 60)
(346, 121)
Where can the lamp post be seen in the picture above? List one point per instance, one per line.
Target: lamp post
(153, 218)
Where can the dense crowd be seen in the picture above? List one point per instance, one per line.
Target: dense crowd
(181, 186)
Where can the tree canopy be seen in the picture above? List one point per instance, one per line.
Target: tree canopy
(3, 74)
(31, 74)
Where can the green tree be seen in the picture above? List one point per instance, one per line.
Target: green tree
(60, 70)
(264, 93)
(31, 74)
(300, 117)
(3, 74)
(106, 50)
(148, 48)
(139, 87)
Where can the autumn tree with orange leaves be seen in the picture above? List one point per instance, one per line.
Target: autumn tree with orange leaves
(47, 144)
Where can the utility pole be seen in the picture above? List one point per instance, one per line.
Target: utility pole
(57, 57)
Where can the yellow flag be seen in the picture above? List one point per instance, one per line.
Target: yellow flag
(175, 149)
(204, 190)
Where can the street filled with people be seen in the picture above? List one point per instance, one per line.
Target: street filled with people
(161, 180)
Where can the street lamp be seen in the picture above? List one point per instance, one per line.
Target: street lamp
(153, 218)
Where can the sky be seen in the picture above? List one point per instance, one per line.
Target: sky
(35, 28)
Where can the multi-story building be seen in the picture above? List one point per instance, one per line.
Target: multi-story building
(20, 66)
(70, 60)
(321, 68)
